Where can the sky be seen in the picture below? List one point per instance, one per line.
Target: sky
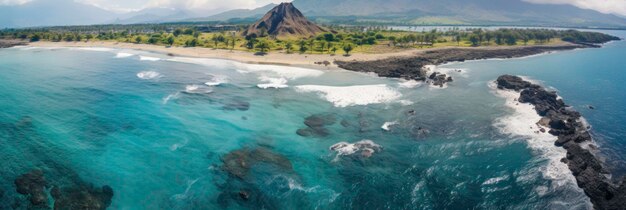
(617, 7)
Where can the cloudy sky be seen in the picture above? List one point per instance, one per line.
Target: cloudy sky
(617, 7)
(604, 6)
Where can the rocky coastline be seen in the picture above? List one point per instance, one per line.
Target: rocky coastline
(412, 67)
(565, 123)
(6, 43)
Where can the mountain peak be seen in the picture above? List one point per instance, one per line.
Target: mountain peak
(284, 20)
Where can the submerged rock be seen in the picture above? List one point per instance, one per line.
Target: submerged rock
(33, 184)
(239, 162)
(81, 196)
(318, 120)
(316, 125)
(236, 104)
(566, 124)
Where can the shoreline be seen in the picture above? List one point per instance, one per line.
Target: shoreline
(412, 67)
(294, 59)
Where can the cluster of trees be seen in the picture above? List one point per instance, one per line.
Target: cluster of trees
(346, 40)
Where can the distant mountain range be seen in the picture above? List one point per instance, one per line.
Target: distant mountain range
(441, 12)
(69, 12)
(405, 12)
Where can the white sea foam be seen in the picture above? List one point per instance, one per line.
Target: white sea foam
(353, 95)
(148, 58)
(286, 72)
(522, 123)
(217, 80)
(276, 83)
(496, 180)
(387, 125)
(123, 55)
(197, 89)
(177, 146)
(368, 147)
(170, 97)
(184, 195)
(409, 84)
(149, 75)
(97, 49)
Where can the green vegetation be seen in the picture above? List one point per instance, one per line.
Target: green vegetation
(344, 39)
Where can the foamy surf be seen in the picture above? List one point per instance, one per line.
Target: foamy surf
(217, 80)
(409, 84)
(148, 58)
(197, 89)
(149, 75)
(366, 146)
(275, 83)
(286, 72)
(353, 95)
(387, 125)
(523, 123)
(123, 55)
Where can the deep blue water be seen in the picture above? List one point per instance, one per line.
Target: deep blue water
(164, 141)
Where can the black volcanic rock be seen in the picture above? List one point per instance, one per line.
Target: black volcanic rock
(284, 20)
(410, 67)
(565, 123)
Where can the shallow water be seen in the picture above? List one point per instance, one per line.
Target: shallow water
(149, 126)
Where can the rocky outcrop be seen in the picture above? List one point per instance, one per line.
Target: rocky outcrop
(410, 67)
(6, 43)
(284, 20)
(566, 124)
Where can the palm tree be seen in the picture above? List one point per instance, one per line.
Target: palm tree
(348, 48)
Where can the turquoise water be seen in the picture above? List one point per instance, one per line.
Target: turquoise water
(159, 136)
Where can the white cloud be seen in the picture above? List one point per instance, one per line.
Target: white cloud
(617, 7)
(13, 2)
(199, 5)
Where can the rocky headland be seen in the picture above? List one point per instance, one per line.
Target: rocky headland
(565, 123)
(412, 67)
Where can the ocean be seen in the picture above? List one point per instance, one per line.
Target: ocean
(190, 133)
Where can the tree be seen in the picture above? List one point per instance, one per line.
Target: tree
(138, 39)
(263, 46)
(177, 32)
(196, 34)
(170, 40)
(458, 39)
(311, 43)
(348, 48)
(250, 43)
(191, 43)
(474, 40)
(334, 49)
(511, 40)
(488, 36)
(188, 31)
(288, 47)
(35, 38)
(303, 47)
(329, 37)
